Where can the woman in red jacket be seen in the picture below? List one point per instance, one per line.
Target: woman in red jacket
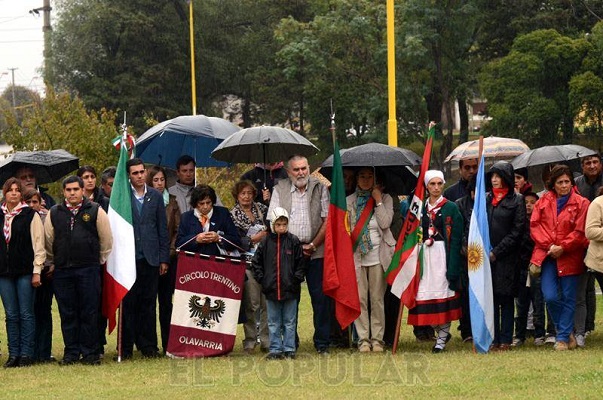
(557, 228)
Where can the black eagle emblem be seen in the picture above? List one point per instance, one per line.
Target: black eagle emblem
(206, 314)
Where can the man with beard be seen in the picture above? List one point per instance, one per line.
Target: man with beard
(307, 202)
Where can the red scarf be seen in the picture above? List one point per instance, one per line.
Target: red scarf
(498, 195)
(74, 210)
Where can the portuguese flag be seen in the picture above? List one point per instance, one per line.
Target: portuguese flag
(404, 272)
(339, 273)
(120, 274)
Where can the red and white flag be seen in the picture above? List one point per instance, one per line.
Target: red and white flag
(206, 306)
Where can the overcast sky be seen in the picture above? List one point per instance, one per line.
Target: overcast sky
(21, 43)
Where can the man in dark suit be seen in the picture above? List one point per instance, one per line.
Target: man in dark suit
(152, 259)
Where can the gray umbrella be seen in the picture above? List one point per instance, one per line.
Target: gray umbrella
(551, 154)
(48, 166)
(263, 144)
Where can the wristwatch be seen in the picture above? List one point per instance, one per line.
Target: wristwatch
(313, 247)
(378, 204)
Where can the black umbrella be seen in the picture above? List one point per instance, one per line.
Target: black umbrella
(393, 163)
(195, 135)
(551, 154)
(263, 144)
(48, 166)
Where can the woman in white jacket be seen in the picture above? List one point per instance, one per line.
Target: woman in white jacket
(370, 214)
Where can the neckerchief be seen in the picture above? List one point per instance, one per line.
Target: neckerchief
(166, 197)
(365, 205)
(432, 211)
(204, 219)
(8, 217)
(74, 210)
(498, 195)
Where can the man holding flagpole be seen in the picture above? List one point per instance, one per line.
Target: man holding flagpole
(152, 252)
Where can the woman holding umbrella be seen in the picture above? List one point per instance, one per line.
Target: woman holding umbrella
(437, 303)
(22, 257)
(370, 214)
(557, 227)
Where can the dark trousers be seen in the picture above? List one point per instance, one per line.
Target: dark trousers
(78, 291)
(43, 314)
(165, 292)
(321, 305)
(504, 308)
(391, 305)
(139, 308)
(591, 300)
(102, 320)
(526, 296)
(465, 321)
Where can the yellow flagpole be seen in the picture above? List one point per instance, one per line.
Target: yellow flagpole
(192, 41)
(392, 123)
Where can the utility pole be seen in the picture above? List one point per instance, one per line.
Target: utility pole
(12, 70)
(47, 29)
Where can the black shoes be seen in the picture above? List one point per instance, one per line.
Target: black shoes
(25, 361)
(68, 361)
(124, 357)
(274, 356)
(290, 355)
(151, 354)
(436, 350)
(12, 362)
(92, 359)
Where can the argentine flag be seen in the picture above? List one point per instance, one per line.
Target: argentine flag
(481, 303)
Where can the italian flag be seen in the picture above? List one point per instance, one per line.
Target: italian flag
(339, 273)
(404, 272)
(121, 264)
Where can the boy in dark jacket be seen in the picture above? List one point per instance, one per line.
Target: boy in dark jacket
(278, 265)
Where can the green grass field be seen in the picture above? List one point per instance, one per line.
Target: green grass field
(529, 372)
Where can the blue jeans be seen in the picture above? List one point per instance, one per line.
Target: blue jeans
(18, 300)
(504, 308)
(78, 294)
(282, 323)
(322, 306)
(560, 296)
(527, 295)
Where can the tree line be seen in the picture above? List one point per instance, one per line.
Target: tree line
(538, 64)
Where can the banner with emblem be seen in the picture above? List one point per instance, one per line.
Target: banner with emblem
(206, 305)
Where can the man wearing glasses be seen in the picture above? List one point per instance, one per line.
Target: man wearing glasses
(28, 179)
(152, 259)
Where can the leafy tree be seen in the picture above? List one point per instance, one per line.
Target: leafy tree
(123, 54)
(61, 121)
(528, 90)
(24, 98)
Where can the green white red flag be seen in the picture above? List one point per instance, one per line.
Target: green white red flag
(404, 272)
(339, 273)
(121, 264)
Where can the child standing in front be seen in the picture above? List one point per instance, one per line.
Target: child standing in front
(278, 266)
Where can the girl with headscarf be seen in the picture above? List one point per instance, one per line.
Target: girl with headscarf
(437, 303)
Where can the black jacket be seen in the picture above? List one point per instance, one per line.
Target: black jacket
(78, 246)
(16, 258)
(507, 223)
(279, 266)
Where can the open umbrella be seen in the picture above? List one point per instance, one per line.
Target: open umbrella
(393, 163)
(195, 135)
(263, 144)
(494, 147)
(551, 154)
(48, 166)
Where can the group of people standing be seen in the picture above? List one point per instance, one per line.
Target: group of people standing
(539, 243)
